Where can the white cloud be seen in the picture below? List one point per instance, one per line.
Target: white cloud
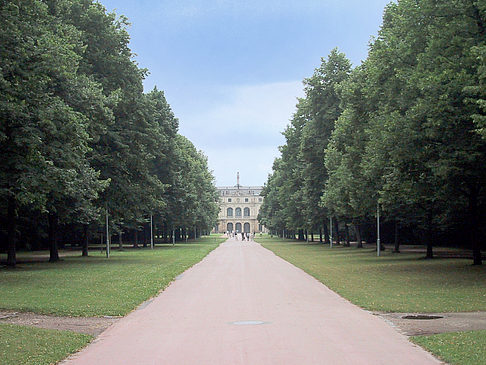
(242, 133)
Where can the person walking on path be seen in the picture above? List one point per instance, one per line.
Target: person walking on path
(244, 305)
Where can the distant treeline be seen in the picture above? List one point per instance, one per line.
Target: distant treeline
(406, 129)
(79, 138)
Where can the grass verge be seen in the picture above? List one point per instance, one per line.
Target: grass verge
(37, 346)
(464, 348)
(402, 282)
(96, 286)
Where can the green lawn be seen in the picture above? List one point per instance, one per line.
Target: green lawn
(96, 286)
(464, 348)
(402, 282)
(37, 346)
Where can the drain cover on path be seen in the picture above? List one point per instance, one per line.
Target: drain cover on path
(421, 316)
(247, 323)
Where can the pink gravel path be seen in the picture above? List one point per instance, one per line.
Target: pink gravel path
(191, 322)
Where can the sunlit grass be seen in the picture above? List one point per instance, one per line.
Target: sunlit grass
(464, 348)
(36, 346)
(96, 286)
(404, 282)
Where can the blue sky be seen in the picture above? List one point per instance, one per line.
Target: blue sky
(232, 70)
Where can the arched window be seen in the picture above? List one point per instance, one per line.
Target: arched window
(238, 227)
(246, 212)
(229, 212)
(238, 212)
(229, 227)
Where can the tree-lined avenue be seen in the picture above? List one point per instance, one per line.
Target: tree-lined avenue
(193, 320)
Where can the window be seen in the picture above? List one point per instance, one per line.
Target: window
(246, 228)
(246, 200)
(238, 212)
(246, 212)
(229, 212)
(260, 200)
(229, 200)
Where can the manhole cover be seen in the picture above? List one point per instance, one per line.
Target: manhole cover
(421, 316)
(247, 323)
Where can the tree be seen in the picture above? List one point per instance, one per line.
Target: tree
(324, 108)
(39, 123)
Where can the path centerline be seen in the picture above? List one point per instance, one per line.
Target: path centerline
(297, 319)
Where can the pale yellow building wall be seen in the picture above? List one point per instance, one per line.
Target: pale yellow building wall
(239, 198)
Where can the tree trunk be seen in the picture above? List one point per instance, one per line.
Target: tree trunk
(428, 239)
(397, 241)
(120, 241)
(53, 251)
(145, 243)
(85, 240)
(357, 229)
(320, 235)
(135, 239)
(346, 227)
(12, 228)
(312, 236)
(326, 233)
(474, 227)
(336, 229)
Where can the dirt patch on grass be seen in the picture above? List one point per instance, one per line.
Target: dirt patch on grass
(88, 325)
(448, 322)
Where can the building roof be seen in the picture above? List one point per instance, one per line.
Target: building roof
(239, 189)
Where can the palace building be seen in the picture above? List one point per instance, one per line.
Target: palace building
(239, 207)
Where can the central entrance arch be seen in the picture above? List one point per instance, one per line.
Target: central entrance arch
(229, 227)
(246, 227)
(238, 227)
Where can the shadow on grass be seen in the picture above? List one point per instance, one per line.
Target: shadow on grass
(125, 257)
(367, 254)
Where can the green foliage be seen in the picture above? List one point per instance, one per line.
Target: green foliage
(36, 346)
(77, 133)
(294, 189)
(403, 130)
(324, 108)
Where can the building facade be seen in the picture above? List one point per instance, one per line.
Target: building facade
(239, 207)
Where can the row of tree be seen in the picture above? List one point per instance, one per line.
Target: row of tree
(404, 130)
(80, 139)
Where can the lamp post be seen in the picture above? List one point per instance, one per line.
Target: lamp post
(330, 230)
(378, 242)
(107, 236)
(151, 232)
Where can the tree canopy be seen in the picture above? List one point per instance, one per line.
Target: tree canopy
(404, 130)
(80, 138)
